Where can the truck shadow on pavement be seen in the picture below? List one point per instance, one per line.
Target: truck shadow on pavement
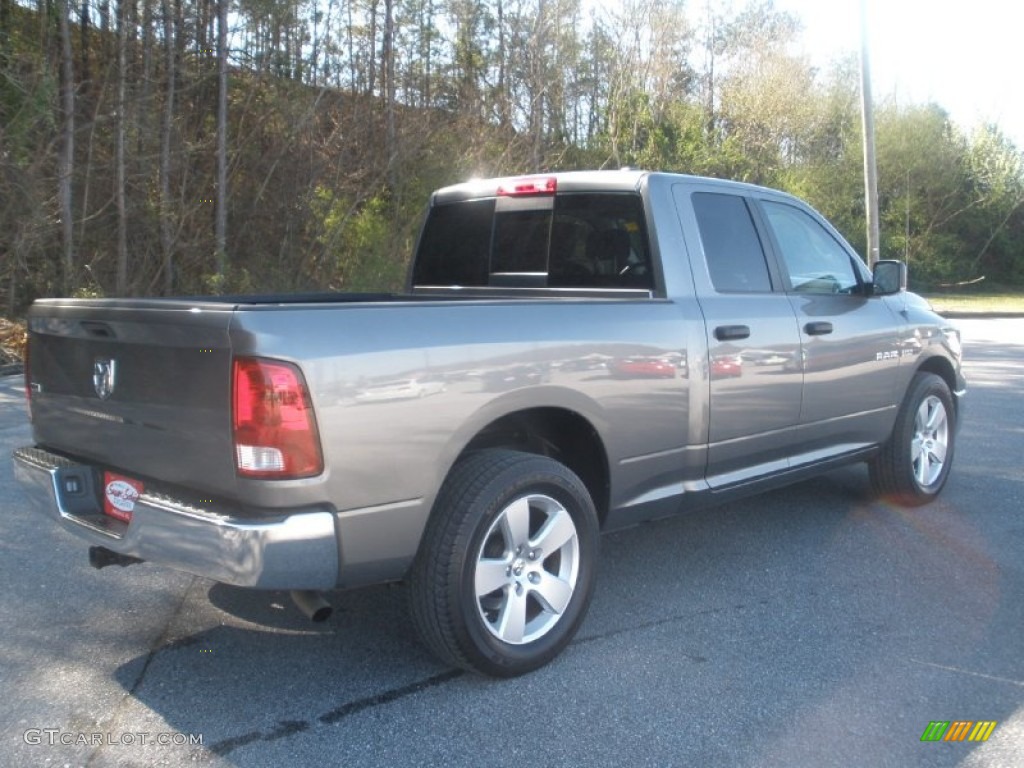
(260, 671)
(769, 605)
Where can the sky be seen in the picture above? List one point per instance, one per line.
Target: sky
(965, 55)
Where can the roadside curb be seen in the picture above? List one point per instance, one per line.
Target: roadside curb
(955, 315)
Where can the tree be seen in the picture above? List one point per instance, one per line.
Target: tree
(388, 67)
(333, 120)
(469, 54)
(923, 187)
(221, 213)
(166, 128)
(765, 109)
(648, 74)
(119, 191)
(997, 229)
(5, 30)
(66, 159)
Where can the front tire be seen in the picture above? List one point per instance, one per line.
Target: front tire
(912, 467)
(506, 568)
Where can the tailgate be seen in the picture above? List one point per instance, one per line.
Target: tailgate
(138, 386)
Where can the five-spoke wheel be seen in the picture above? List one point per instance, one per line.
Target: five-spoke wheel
(931, 438)
(913, 465)
(526, 569)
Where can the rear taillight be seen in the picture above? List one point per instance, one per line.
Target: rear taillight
(274, 429)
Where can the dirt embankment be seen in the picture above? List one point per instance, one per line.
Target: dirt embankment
(12, 346)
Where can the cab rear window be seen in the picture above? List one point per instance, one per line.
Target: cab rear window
(580, 240)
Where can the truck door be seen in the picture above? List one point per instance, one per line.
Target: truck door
(752, 370)
(849, 338)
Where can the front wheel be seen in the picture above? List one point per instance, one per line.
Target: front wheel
(506, 567)
(913, 465)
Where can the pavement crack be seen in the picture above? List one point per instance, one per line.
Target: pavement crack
(155, 647)
(161, 642)
(286, 728)
(972, 673)
(645, 625)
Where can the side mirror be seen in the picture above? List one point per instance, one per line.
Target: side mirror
(889, 277)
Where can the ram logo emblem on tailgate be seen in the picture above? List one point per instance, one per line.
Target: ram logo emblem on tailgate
(104, 376)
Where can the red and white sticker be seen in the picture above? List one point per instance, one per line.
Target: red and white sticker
(119, 495)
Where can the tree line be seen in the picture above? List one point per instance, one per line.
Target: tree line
(168, 147)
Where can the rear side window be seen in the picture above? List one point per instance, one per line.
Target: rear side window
(732, 248)
(574, 241)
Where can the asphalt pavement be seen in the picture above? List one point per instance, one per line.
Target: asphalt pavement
(809, 626)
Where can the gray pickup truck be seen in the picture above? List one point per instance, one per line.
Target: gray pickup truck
(574, 353)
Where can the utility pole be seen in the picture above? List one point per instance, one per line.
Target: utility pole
(868, 121)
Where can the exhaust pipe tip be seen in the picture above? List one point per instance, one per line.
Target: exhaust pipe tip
(312, 604)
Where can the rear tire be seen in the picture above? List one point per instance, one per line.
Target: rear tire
(506, 567)
(912, 467)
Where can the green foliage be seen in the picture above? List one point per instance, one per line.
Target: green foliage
(26, 108)
(358, 243)
(88, 292)
(323, 194)
(235, 280)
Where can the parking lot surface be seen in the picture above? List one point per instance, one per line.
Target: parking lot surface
(810, 626)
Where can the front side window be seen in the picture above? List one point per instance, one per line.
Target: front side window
(813, 260)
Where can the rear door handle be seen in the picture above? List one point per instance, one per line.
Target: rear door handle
(732, 332)
(818, 329)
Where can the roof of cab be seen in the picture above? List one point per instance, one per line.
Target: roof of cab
(625, 180)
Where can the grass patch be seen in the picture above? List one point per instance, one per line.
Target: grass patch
(982, 303)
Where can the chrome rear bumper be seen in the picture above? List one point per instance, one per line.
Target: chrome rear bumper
(296, 550)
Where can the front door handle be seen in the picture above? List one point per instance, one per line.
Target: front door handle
(818, 329)
(732, 332)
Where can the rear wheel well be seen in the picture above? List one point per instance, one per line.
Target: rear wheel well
(557, 433)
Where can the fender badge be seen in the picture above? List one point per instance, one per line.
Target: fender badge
(104, 377)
